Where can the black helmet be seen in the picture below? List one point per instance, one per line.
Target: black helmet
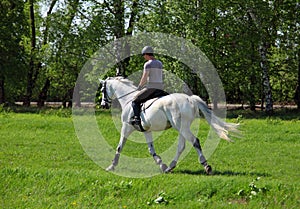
(147, 50)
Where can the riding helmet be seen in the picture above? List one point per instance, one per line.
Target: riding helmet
(147, 50)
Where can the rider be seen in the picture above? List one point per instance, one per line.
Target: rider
(153, 78)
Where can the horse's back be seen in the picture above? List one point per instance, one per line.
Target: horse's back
(162, 112)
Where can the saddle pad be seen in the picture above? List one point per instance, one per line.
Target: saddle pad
(148, 103)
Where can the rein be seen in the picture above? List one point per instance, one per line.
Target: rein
(106, 97)
(126, 94)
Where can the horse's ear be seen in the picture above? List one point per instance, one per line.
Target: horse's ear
(101, 81)
(118, 78)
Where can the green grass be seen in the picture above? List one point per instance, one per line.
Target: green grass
(42, 165)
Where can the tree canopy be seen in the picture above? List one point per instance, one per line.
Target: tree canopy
(253, 44)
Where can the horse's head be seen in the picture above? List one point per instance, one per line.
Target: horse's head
(111, 86)
(107, 93)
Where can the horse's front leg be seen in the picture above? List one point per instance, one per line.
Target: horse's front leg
(152, 152)
(125, 132)
(180, 149)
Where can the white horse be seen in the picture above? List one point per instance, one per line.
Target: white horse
(175, 110)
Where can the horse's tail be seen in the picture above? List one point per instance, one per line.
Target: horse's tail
(221, 127)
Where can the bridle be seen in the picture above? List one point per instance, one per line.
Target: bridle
(105, 98)
(104, 93)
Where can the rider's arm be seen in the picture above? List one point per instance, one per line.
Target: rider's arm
(144, 78)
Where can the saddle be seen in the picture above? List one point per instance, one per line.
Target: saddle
(158, 94)
(145, 105)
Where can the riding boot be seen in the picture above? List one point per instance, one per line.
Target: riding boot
(136, 112)
(136, 121)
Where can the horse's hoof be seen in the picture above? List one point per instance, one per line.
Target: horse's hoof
(110, 168)
(157, 159)
(208, 170)
(168, 170)
(163, 167)
(171, 167)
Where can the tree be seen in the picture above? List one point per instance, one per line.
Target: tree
(43, 92)
(34, 66)
(12, 66)
(297, 93)
(121, 12)
(62, 59)
(253, 44)
(238, 37)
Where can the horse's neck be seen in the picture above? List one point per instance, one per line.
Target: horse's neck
(124, 94)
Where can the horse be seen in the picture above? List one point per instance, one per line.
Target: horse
(176, 110)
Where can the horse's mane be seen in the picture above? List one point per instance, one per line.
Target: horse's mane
(124, 80)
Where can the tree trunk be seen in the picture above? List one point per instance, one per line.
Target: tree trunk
(32, 69)
(67, 100)
(297, 93)
(2, 94)
(117, 8)
(76, 96)
(43, 94)
(30, 85)
(119, 32)
(252, 80)
(49, 12)
(266, 79)
(263, 63)
(252, 96)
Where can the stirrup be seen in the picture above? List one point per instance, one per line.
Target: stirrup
(139, 127)
(135, 121)
(137, 124)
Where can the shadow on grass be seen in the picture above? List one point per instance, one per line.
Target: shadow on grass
(222, 173)
(279, 113)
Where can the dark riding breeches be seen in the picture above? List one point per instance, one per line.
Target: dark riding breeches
(144, 95)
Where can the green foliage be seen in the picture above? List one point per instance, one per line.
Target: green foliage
(230, 33)
(4, 110)
(13, 27)
(161, 198)
(42, 165)
(252, 190)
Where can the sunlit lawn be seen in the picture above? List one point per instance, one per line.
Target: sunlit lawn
(42, 165)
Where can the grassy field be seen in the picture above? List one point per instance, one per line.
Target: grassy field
(42, 165)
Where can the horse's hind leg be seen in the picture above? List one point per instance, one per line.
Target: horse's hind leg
(202, 159)
(196, 144)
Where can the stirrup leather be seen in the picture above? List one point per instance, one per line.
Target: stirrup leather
(137, 124)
